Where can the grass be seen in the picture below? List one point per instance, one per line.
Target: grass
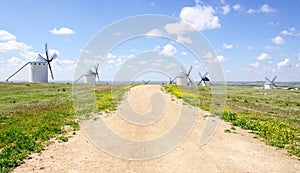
(273, 115)
(33, 113)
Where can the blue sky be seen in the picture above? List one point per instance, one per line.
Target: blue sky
(253, 38)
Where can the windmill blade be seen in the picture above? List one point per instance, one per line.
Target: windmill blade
(191, 67)
(274, 85)
(46, 50)
(274, 79)
(205, 74)
(17, 71)
(53, 57)
(98, 77)
(200, 81)
(50, 70)
(78, 78)
(268, 79)
(183, 71)
(190, 81)
(200, 75)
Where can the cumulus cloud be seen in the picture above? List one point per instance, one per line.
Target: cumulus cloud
(255, 65)
(221, 58)
(184, 53)
(284, 63)
(278, 40)
(226, 9)
(182, 39)
(62, 31)
(237, 7)
(290, 31)
(177, 28)
(168, 50)
(154, 33)
(14, 61)
(227, 46)
(265, 8)
(192, 16)
(250, 11)
(263, 56)
(111, 61)
(6, 36)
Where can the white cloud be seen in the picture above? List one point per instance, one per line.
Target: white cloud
(278, 40)
(14, 61)
(177, 28)
(227, 46)
(143, 62)
(298, 66)
(62, 31)
(270, 47)
(66, 61)
(237, 7)
(263, 56)
(284, 63)
(250, 11)
(249, 47)
(154, 33)
(184, 53)
(226, 9)
(168, 50)
(111, 56)
(221, 58)
(265, 8)
(182, 39)
(157, 48)
(290, 31)
(111, 61)
(6, 36)
(255, 65)
(200, 17)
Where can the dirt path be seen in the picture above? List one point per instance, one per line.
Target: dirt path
(225, 152)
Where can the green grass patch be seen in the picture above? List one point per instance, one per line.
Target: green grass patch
(273, 115)
(31, 114)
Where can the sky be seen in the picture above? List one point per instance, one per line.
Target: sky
(252, 39)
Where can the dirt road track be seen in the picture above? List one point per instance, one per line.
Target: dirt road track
(225, 152)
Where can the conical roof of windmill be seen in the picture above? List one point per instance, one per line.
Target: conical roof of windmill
(90, 73)
(205, 79)
(39, 58)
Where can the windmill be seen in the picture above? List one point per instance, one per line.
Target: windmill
(146, 82)
(269, 84)
(204, 81)
(171, 80)
(90, 76)
(184, 77)
(38, 70)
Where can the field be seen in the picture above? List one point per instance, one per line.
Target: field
(274, 115)
(32, 115)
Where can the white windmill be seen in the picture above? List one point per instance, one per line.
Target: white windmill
(204, 81)
(269, 84)
(146, 82)
(38, 70)
(184, 77)
(90, 77)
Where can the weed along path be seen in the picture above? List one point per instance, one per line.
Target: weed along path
(87, 151)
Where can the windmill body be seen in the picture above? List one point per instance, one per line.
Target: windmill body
(205, 82)
(38, 71)
(89, 77)
(182, 79)
(269, 84)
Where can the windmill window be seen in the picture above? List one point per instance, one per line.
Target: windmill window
(39, 63)
(34, 63)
